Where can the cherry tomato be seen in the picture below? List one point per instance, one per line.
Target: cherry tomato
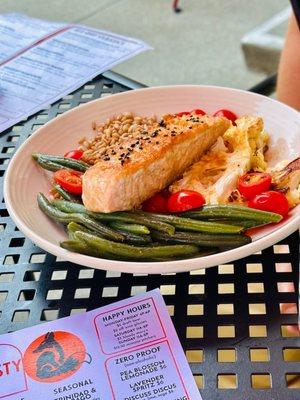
(183, 113)
(76, 154)
(69, 180)
(270, 201)
(156, 203)
(253, 183)
(226, 113)
(185, 200)
(198, 111)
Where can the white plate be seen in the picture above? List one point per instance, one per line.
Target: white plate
(24, 179)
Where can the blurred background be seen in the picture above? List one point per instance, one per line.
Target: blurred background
(202, 44)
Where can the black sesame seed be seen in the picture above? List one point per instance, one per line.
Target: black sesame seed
(132, 145)
(162, 123)
(141, 148)
(173, 134)
(157, 142)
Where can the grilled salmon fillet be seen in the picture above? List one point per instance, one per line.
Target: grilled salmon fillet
(132, 171)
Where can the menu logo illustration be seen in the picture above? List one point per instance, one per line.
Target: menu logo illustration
(12, 376)
(55, 356)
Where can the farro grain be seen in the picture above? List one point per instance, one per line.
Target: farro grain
(112, 133)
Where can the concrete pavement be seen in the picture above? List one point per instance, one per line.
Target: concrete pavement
(199, 45)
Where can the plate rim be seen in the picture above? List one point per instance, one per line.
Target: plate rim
(184, 265)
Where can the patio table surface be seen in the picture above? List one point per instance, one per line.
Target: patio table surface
(233, 320)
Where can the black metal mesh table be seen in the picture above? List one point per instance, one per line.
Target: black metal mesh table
(235, 321)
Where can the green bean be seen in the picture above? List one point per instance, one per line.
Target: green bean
(85, 220)
(62, 161)
(48, 165)
(77, 246)
(131, 217)
(202, 239)
(135, 252)
(128, 236)
(69, 207)
(121, 216)
(245, 223)
(135, 239)
(232, 213)
(133, 228)
(188, 224)
(80, 247)
(73, 227)
(66, 195)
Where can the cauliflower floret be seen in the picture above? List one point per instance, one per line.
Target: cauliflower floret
(258, 140)
(286, 178)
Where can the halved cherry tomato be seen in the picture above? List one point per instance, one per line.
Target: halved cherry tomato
(270, 201)
(253, 183)
(183, 113)
(198, 111)
(156, 203)
(226, 113)
(69, 180)
(76, 154)
(185, 200)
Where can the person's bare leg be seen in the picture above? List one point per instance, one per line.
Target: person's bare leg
(288, 86)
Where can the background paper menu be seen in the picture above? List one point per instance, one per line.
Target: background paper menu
(48, 69)
(18, 32)
(125, 351)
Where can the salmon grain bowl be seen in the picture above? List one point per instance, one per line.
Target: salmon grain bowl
(161, 180)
